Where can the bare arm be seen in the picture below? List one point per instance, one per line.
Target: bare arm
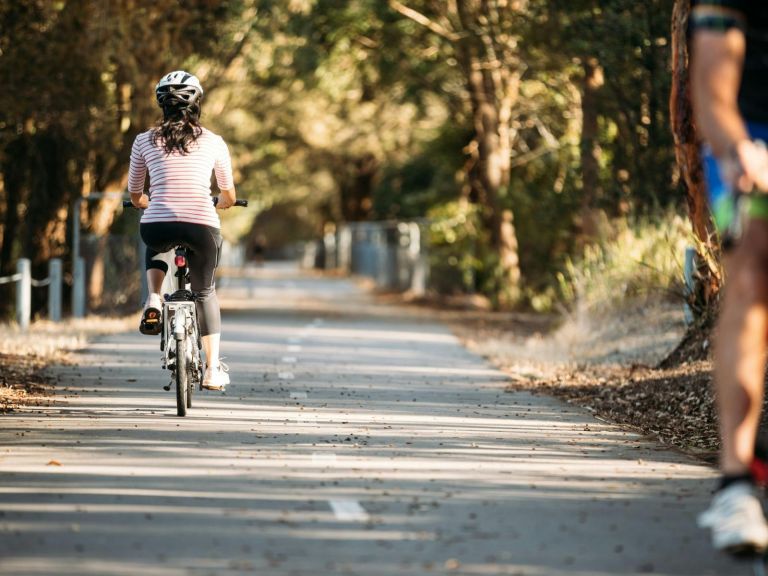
(716, 68)
(715, 78)
(137, 175)
(223, 170)
(227, 198)
(140, 200)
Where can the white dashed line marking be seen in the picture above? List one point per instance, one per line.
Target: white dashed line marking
(298, 395)
(348, 510)
(294, 348)
(322, 458)
(288, 360)
(286, 375)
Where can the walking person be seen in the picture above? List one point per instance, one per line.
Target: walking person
(729, 80)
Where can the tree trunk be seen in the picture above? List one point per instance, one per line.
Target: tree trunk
(590, 149)
(49, 192)
(493, 88)
(100, 222)
(14, 171)
(357, 177)
(133, 116)
(687, 152)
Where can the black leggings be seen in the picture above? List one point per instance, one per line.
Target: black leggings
(203, 244)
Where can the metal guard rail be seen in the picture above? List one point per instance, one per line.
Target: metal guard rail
(23, 278)
(18, 277)
(9, 279)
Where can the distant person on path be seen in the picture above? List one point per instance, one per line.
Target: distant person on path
(179, 155)
(259, 247)
(729, 78)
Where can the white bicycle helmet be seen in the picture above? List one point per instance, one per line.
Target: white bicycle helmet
(179, 85)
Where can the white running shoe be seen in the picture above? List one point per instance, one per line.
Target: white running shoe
(736, 519)
(154, 301)
(216, 378)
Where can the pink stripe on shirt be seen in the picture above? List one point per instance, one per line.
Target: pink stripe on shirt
(180, 185)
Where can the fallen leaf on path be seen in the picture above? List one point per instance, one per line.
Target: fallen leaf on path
(54, 463)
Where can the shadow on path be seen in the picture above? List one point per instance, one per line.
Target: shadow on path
(355, 439)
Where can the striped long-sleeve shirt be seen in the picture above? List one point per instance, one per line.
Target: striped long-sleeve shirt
(180, 185)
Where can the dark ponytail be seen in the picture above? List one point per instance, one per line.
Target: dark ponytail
(179, 128)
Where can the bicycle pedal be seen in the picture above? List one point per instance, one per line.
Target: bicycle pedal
(168, 387)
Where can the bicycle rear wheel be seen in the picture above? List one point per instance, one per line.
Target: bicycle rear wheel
(182, 380)
(190, 387)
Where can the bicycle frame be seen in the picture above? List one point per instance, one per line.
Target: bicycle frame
(181, 334)
(177, 324)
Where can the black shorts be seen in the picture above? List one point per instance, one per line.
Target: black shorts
(203, 244)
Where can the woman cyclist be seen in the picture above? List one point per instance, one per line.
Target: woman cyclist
(179, 156)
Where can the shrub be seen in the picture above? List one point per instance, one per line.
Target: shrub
(631, 258)
(453, 242)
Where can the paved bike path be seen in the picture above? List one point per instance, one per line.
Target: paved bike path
(355, 439)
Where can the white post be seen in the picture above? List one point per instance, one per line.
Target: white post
(420, 264)
(78, 264)
(24, 293)
(690, 284)
(78, 288)
(329, 245)
(344, 248)
(54, 289)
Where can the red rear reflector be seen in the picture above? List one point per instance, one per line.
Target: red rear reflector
(181, 261)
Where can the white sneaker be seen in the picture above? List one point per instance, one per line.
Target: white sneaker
(153, 301)
(736, 519)
(216, 378)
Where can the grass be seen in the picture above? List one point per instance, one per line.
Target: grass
(47, 339)
(25, 354)
(629, 260)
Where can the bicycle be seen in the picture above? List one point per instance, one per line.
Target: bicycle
(180, 323)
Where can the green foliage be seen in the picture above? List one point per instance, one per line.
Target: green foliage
(454, 236)
(425, 181)
(630, 42)
(348, 109)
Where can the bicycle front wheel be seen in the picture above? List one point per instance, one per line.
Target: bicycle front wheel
(182, 380)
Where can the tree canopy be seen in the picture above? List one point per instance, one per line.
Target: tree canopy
(535, 119)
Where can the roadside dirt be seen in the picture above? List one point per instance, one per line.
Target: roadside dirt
(24, 356)
(22, 382)
(612, 363)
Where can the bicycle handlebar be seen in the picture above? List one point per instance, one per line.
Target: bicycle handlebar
(241, 203)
